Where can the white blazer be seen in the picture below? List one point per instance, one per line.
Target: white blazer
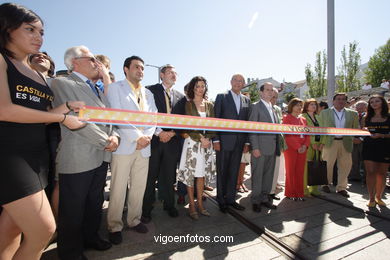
(121, 96)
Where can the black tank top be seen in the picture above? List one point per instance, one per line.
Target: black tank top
(28, 93)
(381, 128)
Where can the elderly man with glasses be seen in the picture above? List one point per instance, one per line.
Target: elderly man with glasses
(82, 159)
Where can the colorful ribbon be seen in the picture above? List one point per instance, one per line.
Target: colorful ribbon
(143, 119)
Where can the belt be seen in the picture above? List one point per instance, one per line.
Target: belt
(338, 138)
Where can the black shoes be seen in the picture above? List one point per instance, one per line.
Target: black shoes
(172, 212)
(237, 206)
(140, 228)
(256, 208)
(343, 193)
(326, 189)
(81, 257)
(223, 208)
(146, 219)
(115, 237)
(269, 205)
(273, 196)
(99, 244)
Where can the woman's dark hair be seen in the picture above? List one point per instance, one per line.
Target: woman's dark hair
(324, 105)
(192, 84)
(371, 112)
(293, 102)
(52, 68)
(12, 16)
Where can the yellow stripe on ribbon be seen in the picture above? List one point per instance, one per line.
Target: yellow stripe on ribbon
(137, 118)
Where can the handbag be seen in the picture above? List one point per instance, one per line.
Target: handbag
(316, 171)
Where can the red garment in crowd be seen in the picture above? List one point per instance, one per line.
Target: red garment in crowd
(294, 161)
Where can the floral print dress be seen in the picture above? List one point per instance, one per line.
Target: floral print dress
(196, 162)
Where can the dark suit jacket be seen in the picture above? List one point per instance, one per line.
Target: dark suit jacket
(159, 99)
(224, 107)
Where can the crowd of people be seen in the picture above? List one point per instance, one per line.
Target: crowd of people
(51, 153)
(384, 85)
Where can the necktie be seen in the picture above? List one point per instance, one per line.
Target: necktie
(275, 116)
(168, 101)
(139, 100)
(94, 88)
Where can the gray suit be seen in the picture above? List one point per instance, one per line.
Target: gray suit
(268, 144)
(83, 149)
(82, 166)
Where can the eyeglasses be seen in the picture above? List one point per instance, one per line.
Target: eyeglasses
(92, 59)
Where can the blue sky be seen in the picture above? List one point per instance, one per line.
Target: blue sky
(211, 38)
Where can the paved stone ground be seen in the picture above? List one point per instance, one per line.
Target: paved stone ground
(316, 228)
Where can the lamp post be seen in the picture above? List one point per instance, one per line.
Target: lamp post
(331, 56)
(158, 70)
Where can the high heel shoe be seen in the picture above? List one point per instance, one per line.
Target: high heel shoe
(371, 204)
(205, 213)
(380, 202)
(244, 188)
(194, 215)
(240, 190)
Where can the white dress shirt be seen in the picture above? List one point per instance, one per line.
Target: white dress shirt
(339, 119)
(366, 87)
(268, 105)
(237, 101)
(385, 85)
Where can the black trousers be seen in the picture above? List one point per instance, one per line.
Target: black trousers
(80, 210)
(357, 162)
(228, 164)
(162, 168)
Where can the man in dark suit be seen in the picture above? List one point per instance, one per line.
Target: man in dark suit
(230, 146)
(265, 148)
(165, 148)
(82, 159)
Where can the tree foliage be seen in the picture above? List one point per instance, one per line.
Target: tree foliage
(379, 65)
(288, 96)
(347, 72)
(253, 92)
(316, 79)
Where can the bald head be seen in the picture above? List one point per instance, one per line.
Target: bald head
(267, 91)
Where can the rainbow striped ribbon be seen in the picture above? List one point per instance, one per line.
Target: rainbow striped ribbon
(111, 116)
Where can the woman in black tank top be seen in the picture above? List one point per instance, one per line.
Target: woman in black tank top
(376, 151)
(25, 100)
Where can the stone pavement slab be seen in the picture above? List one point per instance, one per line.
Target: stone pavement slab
(318, 229)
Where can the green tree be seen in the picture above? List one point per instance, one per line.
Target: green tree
(316, 79)
(379, 65)
(350, 61)
(253, 92)
(288, 96)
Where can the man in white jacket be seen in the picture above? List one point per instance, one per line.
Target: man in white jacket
(129, 167)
